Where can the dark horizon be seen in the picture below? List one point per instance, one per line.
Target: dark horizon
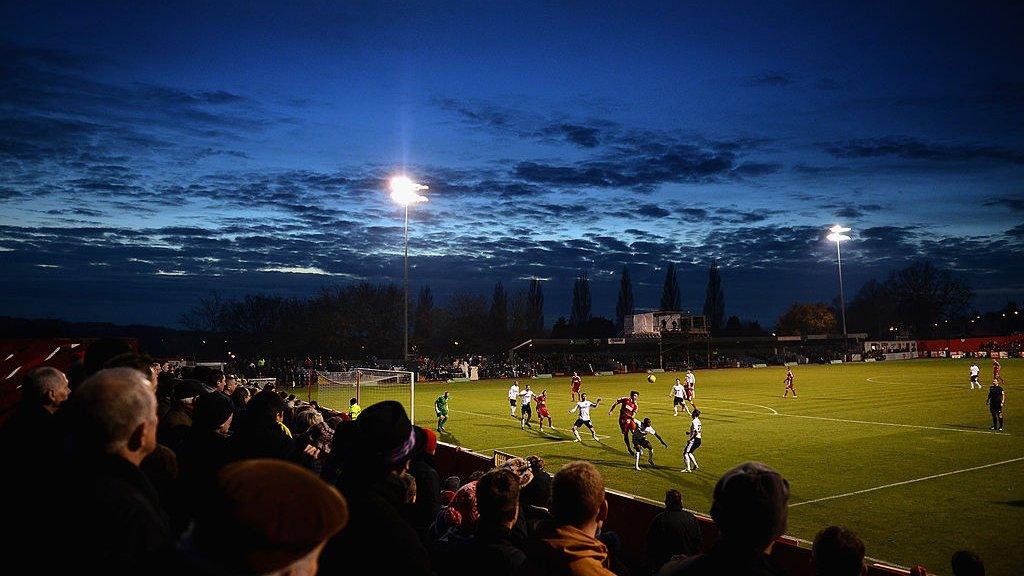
(152, 154)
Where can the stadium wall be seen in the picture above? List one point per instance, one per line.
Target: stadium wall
(629, 516)
(969, 344)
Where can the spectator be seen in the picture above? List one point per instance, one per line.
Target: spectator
(371, 453)
(967, 563)
(240, 401)
(838, 552)
(206, 448)
(749, 506)
(568, 545)
(263, 434)
(537, 492)
(492, 549)
(421, 467)
(114, 518)
(31, 436)
(672, 532)
(178, 419)
(97, 355)
(145, 364)
(260, 517)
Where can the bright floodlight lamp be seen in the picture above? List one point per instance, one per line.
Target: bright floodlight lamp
(837, 234)
(405, 192)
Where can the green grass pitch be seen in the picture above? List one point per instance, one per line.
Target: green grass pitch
(900, 452)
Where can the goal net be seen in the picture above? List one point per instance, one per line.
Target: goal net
(368, 386)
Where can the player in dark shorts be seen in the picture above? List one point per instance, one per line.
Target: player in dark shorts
(574, 388)
(584, 407)
(996, 399)
(641, 441)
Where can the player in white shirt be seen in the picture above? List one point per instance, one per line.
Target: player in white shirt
(641, 442)
(694, 442)
(526, 407)
(678, 398)
(974, 376)
(513, 395)
(584, 407)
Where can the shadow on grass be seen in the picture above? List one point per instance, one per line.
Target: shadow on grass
(1013, 503)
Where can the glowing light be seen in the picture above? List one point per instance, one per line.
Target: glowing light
(405, 192)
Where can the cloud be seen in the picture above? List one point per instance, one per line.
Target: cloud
(914, 149)
(1013, 204)
(769, 79)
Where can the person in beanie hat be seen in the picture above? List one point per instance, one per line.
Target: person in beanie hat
(260, 517)
(205, 448)
(750, 508)
(370, 454)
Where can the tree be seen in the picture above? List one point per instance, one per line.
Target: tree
(423, 317)
(207, 315)
(714, 300)
(517, 315)
(580, 313)
(872, 310)
(925, 296)
(624, 306)
(803, 319)
(497, 319)
(734, 326)
(560, 329)
(670, 299)
(535, 309)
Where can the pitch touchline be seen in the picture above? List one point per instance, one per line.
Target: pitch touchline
(933, 476)
(869, 422)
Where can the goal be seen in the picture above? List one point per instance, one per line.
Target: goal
(368, 386)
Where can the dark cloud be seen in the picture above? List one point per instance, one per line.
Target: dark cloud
(769, 79)
(913, 149)
(652, 211)
(1014, 204)
(582, 136)
(827, 84)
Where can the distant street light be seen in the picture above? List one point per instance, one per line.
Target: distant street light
(404, 192)
(837, 235)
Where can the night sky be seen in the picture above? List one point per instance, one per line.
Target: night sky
(151, 154)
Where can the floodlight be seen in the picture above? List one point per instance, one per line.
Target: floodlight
(404, 191)
(837, 229)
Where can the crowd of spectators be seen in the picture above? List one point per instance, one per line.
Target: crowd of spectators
(129, 469)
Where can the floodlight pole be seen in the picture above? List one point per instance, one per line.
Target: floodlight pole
(842, 298)
(405, 332)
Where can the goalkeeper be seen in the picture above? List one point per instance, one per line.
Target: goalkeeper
(441, 409)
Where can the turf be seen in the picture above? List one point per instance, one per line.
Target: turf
(886, 446)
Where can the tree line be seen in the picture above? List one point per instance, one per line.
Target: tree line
(365, 319)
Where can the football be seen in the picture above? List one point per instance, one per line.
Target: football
(651, 378)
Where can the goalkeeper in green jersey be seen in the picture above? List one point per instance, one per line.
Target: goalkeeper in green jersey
(441, 408)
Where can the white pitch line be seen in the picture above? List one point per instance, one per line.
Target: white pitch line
(933, 476)
(774, 411)
(491, 416)
(599, 436)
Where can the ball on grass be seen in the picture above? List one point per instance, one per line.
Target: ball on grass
(651, 378)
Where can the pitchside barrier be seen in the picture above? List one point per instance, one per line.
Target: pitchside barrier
(629, 516)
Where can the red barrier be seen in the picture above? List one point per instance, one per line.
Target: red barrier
(629, 516)
(968, 344)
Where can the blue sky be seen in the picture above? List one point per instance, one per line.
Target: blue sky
(149, 154)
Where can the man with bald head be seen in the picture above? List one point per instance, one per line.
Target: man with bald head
(31, 435)
(115, 519)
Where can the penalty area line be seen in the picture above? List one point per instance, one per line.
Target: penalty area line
(894, 484)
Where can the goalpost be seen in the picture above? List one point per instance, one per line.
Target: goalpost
(368, 386)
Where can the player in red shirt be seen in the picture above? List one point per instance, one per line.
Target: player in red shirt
(626, 413)
(577, 382)
(542, 410)
(789, 383)
(995, 370)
